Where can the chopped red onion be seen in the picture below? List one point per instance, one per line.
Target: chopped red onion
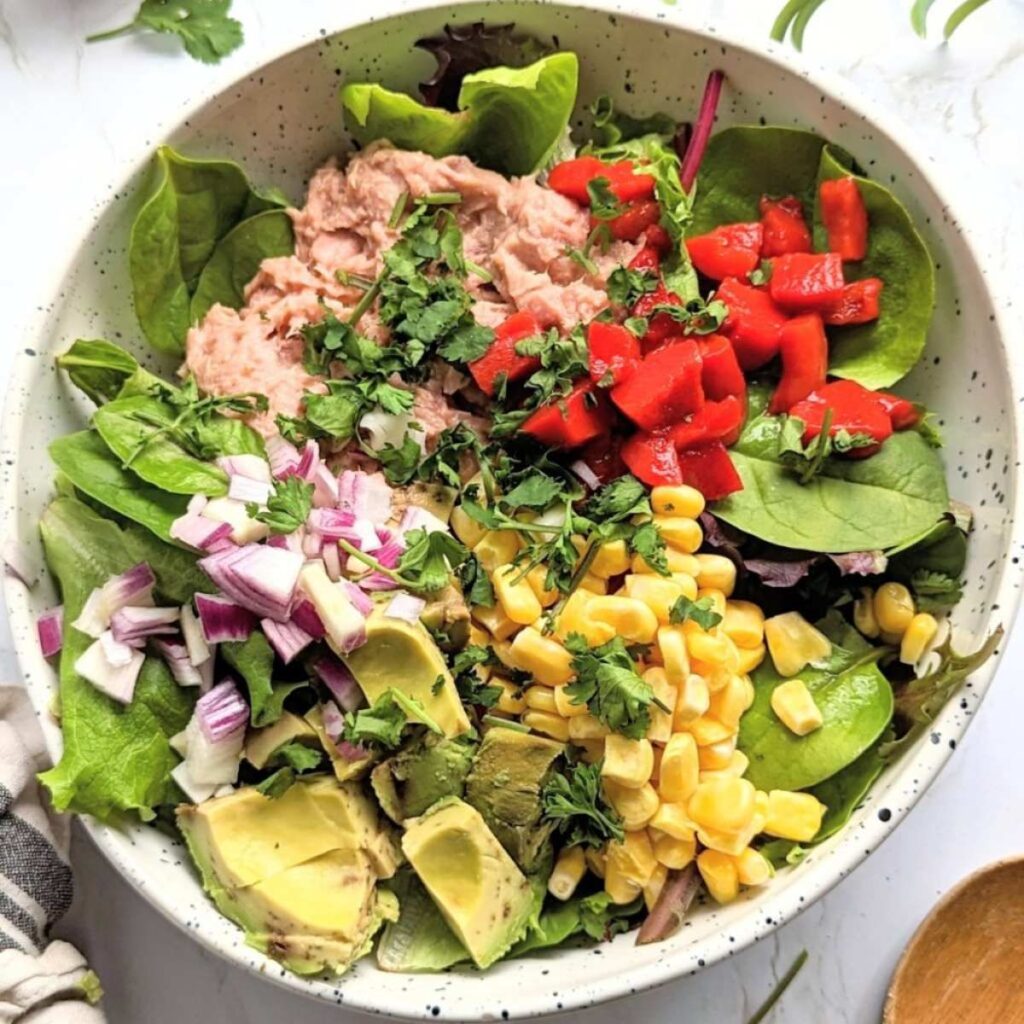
(50, 628)
(305, 616)
(335, 675)
(243, 488)
(223, 619)
(134, 587)
(701, 130)
(196, 504)
(405, 607)
(258, 577)
(309, 461)
(377, 581)
(287, 638)
(192, 633)
(132, 623)
(205, 670)
(21, 562)
(283, 455)
(367, 533)
(212, 762)
(198, 532)
(351, 751)
(116, 651)
(116, 681)
(391, 547)
(365, 495)
(222, 712)
(175, 654)
(333, 719)
(360, 599)
(586, 474)
(251, 466)
(312, 544)
(332, 561)
(325, 487)
(415, 517)
(334, 523)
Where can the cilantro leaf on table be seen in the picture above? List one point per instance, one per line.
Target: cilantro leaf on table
(576, 803)
(287, 508)
(701, 611)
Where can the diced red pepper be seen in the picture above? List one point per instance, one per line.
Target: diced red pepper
(614, 353)
(652, 458)
(715, 421)
(720, 372)
(754, 323)
(806, 280)
(859, 303)
(804, 351)
(604, 456)
(660, 326)
(731, 250)
(785, 229)
(854, 409)
(710, 470)
(570, 421)
(902, 412)
(571, 178)
(845, 217)
(635, 220)
(664, 388)
(648, 258)
(656, 237)
(501, 359)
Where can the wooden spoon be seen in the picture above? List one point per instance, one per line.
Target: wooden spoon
(963, 964)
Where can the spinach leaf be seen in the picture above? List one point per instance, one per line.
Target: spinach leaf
(237, 258)
(856, 704)
(178, 576)
(100, 368)
(508, 119)
(254, 661)
(116, 760)
(89, 464)
(933, 566)
(193, 206)
(843, 792)
(129, 427)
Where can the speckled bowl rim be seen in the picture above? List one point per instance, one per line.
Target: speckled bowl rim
(817, 875)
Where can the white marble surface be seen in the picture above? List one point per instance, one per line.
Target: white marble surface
(67, 111)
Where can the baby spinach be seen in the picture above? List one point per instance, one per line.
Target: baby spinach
(193, 207)
(116, 760)
(99, 368)
(856, 704)
(843, 792)
(95, 471)
(508, 119)
(933, 566)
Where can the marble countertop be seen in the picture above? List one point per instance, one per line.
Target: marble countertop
(65, 112)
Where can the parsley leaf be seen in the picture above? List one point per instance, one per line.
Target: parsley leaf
(287, 508)
(276, 785)
(701, 611)
(472, 689)
(399, 463)
(604, 203)
(429, 558)
(622, 498)
(297, 756)
(648, 543)
(535, 491)
(383, 722)
(576, 803)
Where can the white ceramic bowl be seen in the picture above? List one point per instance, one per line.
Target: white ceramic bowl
(281, 122)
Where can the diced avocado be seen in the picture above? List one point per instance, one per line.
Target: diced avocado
(447, 613)
(298, 873)
(504, 786)
(260, 744)
(428, 769)
(437, 499)
(401, 655)
(483, 896)
(420, 940)
(344, 770)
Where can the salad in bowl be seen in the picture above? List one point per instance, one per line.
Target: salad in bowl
(531, 543)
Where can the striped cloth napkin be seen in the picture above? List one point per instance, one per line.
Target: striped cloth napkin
(41, 982)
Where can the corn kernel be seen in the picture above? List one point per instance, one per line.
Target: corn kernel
(674, 656)
(717, 571)
(919, 635)
(752, 868)
(794, 704)
(593, 584)
(468, 530)
(743, 624)
(672, 820)
(686, 582)
(750, 658)
(679, 769)
(894, 608)
(497, 547)
(693, 701)
(586, 727)
(495, 621)
(794, 642)
(478, 637)
(678, 500)
(706, 730)
(661, 721)
(502, 650)
(636, 806)
(592, 750)
(656, 774)
(545, 659)
(735, 769)
(627, 762)
(564, 704)
(795, 816)
(619, 888)
(574, 618)
(673, 852)
(567, 872)
(864, 614)
(725, 805)
(680, 532)
(716, 598)
(633, 857)
(512, 701)
(630, 619)
(678, 562)
(537, 578)
(652, 890)
(515, 595)
(716, 756)
(550, 725)
(595, 861)
(729, 703)
(658, 593)
(612, 559)
(541, 698)
(720, 875)
(719, 651)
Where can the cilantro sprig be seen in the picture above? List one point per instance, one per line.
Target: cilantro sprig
(382, 724)
(472, 688)
(426, 565)
(575, 802)
(702, 611)
(287, 508)
(809, 459)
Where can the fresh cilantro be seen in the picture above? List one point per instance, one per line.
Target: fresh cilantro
(935, 591)
(287, 508)
(297, 756)
(277, 784)
(761, 274)
(648, 543)
(636, 325)
(622, 498)
(808, 460)
(329, 339)
(437, 686)
(474, 690)
(582, 259)
(575, 802)
(453, 445)
(400, 463)
(626, 287)
(701, 611)
(536, 491)
(696, 316)
(467, 342)
(604, 203)
(383, 723)
(429, 559)
(475, 583)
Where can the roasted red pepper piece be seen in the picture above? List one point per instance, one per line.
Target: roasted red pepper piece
(785, 229)
(845, 218)
(854, 409)
(902, 412)
(710, 470)
(754, 323)
(656, 237)
(501, 358)
(731, 250)
(571, 178)
(715, 421)
(635, 220)
(652, 458)
(604, 457)
(804, 351)
(660, 326)
(648, 258)
(806, 280)
(720, 370)
(664, 388)
(614, 353)
(570, 421)
(859, 303)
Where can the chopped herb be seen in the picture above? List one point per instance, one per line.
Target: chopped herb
(297, 756)
(580, 257)
(472, 689)
(437, 686)
(808, 460)
(287, 508)
(475, 583)
(648, 543)
(383, 723)
(576, 803)
(785, 981)
(701, 611)
(429, 559)
(626, 287)
(277, 784)
(604, 204)
(400, 463)
(696, 316)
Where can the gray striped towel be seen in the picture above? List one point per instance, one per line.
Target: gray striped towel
(41, 982)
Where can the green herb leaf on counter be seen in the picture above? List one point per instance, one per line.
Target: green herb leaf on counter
(287, 508)
(575, 801)
(701, 611)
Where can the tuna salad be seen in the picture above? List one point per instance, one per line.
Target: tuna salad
(521, 543)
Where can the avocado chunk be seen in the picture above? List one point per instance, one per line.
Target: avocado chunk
(402, 655)
(297, 873)
(504, 786)
(483, 896)
(447, 615)
(260, 744)
(427, 770)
